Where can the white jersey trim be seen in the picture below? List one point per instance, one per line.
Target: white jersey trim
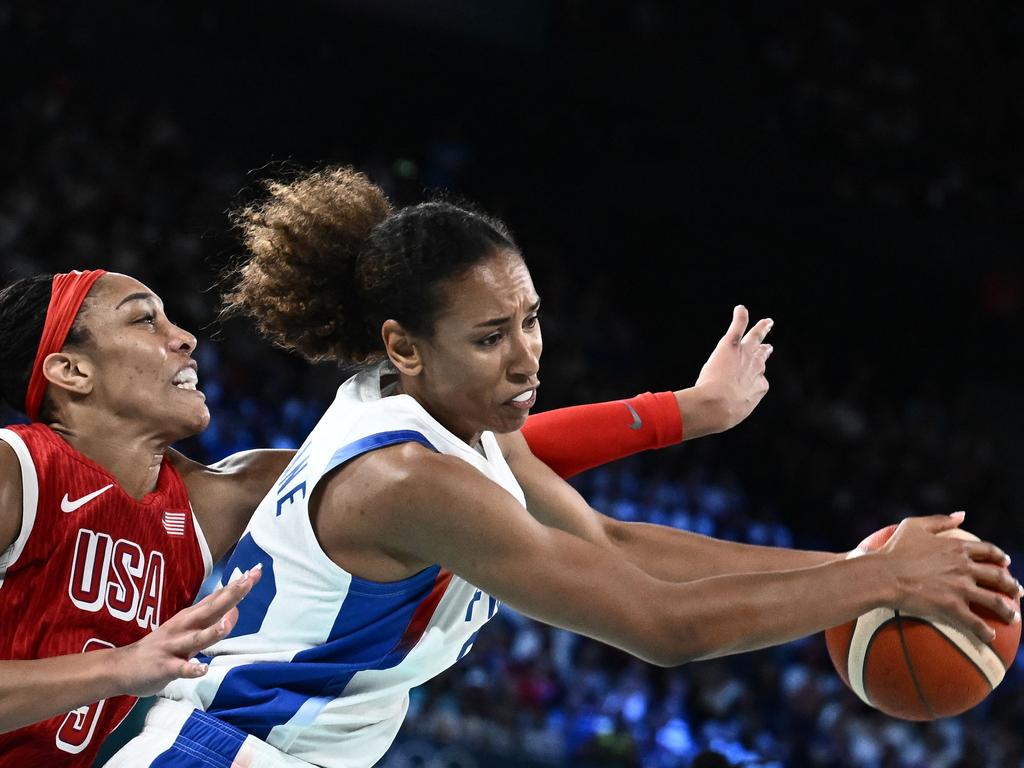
(204, 547)
(29, 500)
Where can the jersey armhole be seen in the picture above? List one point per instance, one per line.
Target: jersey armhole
(372, 443)
(29, 500)
(338, 459)
(204, 547)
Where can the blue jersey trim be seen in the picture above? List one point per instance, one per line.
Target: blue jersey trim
(375, 441)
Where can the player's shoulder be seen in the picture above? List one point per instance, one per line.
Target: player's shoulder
(512, 444)
(10, 465)
(404, 473)
(399, 463)
(183, 465)
(11, 493)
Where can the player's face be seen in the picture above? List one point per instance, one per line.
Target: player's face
(142, 362)
(480, 367)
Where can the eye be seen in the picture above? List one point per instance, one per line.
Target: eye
(490, 341)
(149, 319)
(532, 321)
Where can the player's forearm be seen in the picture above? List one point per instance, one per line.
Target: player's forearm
(725, 615)
(578, 438)
(38, 689)
(674, 555)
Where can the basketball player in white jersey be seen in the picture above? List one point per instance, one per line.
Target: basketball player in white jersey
(90, 356)
(415, 508)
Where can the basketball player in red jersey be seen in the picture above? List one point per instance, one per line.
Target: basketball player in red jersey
(94, 521)
(98, 541)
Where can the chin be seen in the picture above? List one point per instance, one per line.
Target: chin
(507, 426)
(193, 423)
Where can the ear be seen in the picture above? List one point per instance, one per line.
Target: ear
(401, 348)
(68, 371)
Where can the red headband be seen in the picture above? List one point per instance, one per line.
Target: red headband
(66, 297)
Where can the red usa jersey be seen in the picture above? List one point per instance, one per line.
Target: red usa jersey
(90, 568)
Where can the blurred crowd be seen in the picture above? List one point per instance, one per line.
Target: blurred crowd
(844, 443)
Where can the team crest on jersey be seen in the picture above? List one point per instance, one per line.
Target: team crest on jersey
(117, 576)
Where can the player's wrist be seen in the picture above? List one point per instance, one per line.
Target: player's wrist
(703, 411)
(108, 671)
(883, 581)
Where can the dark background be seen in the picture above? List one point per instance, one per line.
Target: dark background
(851, 171)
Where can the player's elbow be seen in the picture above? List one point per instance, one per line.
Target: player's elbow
(673, 641)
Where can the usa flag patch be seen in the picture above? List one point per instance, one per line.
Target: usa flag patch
(174, 523)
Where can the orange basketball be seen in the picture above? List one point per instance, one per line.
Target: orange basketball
(914, 668)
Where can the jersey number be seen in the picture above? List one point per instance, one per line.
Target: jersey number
(76, 731)
(253, 610)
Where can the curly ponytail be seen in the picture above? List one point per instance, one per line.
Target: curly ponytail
(328, 261)
(297, 281)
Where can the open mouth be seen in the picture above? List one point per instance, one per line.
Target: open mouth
(524, 399)
(186, 378)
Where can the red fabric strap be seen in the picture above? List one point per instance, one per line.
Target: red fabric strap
(66, 296)
(581, 437)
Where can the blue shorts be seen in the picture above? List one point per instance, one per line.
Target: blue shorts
(178, 736)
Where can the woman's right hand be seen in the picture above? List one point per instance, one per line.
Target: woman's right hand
(162, 656)
(948, 578)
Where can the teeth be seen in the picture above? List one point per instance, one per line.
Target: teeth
(523, 397)
(186, 378)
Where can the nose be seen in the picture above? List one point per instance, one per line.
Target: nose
(182, 341)
(526, 350)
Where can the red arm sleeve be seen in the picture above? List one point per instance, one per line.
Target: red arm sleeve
(581, 437)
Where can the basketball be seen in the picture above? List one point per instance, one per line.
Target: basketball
(916, 669)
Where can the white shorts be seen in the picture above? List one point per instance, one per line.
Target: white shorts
(178, 736)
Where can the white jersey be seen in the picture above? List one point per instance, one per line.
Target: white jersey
(321, 662)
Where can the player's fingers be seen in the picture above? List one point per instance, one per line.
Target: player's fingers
(984, 552)
(192, 669)
(236, 583)
(939, 523)
(978, 627)
(204, 638)
(734, 335)
(223, 599)
(996, 578)
(995, 603)
(759, 331)
(762, 353)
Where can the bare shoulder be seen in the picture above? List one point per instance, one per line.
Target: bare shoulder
(397, 480)
(393, 494)
(225, 494)
(512, 444)
(10, 495)
(185, 466)
(368, 513)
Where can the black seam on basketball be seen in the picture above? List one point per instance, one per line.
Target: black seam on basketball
(910, 666)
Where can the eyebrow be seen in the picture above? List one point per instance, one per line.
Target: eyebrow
(140, 296)
(496, 321)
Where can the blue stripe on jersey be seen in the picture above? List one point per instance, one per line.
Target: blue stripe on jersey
(202, 742)
(370, 625)
(373, 442)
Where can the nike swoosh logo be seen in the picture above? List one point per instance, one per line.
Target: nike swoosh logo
(66, 505)
(636, 417)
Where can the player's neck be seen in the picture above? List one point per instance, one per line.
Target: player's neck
(133, 460)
